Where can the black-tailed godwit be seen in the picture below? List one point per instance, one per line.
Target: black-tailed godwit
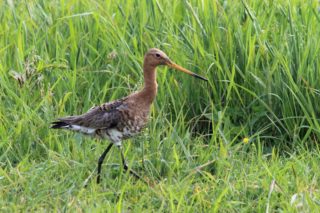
(123, 118)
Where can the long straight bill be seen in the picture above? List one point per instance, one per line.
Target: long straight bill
(177, 67)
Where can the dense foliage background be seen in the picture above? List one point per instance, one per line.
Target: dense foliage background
(246, 140)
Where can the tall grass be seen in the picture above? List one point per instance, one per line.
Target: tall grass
(262, 60)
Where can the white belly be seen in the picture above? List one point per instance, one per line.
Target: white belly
(116, 136)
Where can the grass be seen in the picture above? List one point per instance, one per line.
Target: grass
(262, 61)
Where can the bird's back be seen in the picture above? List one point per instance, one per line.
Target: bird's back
(116, 121)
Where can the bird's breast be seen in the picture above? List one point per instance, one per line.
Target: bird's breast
(127, 127)
(135, 124)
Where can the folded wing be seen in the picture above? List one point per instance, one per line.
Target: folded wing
(105, 116)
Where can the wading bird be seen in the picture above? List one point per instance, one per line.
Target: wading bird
(122, 118)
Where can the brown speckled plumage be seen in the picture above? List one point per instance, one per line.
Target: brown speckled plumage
(123, 118)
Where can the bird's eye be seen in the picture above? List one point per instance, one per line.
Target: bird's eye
(157, 55)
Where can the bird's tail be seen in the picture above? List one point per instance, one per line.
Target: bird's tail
(70, 123)
(59, 125)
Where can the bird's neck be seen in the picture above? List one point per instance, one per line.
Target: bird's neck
(150, 82)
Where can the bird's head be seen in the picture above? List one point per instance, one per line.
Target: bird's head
(155, 57)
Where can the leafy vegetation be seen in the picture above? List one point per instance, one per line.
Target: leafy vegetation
(248, 140)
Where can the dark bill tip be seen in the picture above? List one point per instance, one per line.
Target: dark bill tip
(200, 77)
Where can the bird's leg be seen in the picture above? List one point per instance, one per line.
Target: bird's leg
(125, 166)
(100, 161)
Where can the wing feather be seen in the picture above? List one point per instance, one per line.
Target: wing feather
(104, 116)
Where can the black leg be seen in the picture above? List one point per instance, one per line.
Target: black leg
(125, 166)
(100, 161)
